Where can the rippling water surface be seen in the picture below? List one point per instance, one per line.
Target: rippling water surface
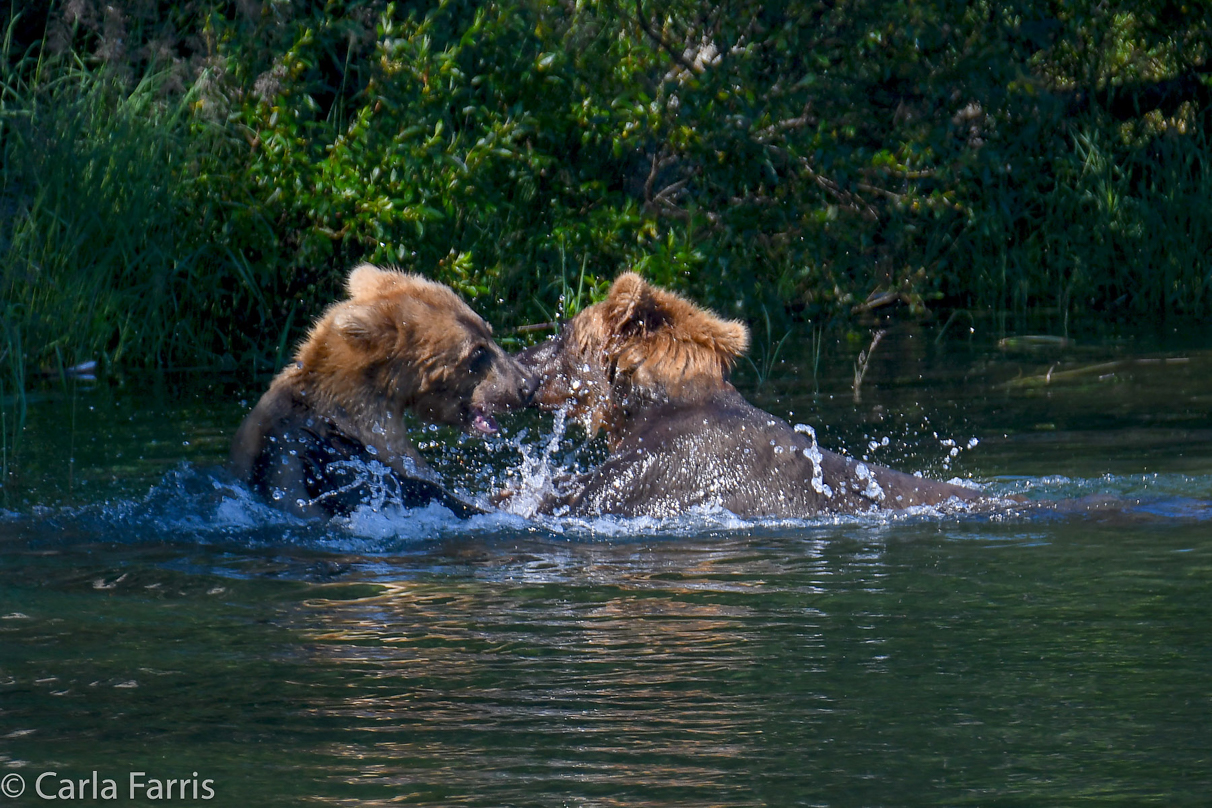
(155, 618)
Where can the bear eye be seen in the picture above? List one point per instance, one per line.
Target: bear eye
(479, 360)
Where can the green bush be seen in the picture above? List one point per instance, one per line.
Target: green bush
(190, 182)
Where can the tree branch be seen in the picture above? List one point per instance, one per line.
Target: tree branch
(660, 40)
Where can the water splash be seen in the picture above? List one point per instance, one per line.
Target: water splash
(535, 480)
(953, 449)
(872, 491)
(205, 506)
(813, 453)
(379, 481)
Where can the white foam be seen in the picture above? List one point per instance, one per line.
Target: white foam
(420, 524)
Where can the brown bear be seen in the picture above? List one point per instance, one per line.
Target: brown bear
(651, 370)
(334, 418)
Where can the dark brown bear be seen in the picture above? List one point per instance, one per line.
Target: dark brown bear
(651, 369)
(336, 414)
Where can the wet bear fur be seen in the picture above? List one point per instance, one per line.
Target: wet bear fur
(400, 343)
(650, 369)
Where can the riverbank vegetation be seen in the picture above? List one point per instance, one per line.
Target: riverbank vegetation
(188, 183)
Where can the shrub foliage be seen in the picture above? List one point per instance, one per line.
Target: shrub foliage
(189, 182)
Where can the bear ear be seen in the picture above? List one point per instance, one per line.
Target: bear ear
(731, 338)
(631, 306)
(635, 306)
(368, 281)
(367, 326)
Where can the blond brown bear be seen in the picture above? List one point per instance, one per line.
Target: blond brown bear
(329, 433)
(651, 370)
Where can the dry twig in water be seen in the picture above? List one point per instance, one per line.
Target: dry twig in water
(860, 367)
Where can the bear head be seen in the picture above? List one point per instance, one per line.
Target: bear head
(402, 342)
(641, 345)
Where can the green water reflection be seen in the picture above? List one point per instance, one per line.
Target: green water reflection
(928, 664)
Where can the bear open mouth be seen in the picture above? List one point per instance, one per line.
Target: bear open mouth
(483, 422)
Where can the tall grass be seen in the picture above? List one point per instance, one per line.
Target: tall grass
(99, 234)
(89, 240)
(12, 397)
(1107, 226)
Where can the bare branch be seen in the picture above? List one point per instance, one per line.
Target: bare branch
(860, 367)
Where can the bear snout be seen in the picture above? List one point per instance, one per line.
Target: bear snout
(541, 363)
(536, 358)
(529, 385)
(507, 385)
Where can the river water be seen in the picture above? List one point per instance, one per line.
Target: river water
(156, 619)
